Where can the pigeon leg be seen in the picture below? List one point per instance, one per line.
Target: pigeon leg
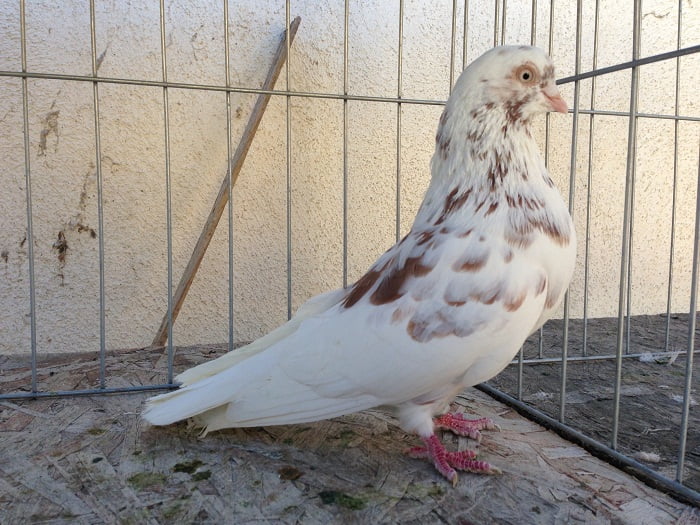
(460, 425)
(446, 462)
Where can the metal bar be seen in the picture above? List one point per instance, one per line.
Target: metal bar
(691, 336)
(503, 22)
(496, 12)
(521, 352)
(628, 307)
(630, 260)
(398, 123)
(626, 463)
(100, 199)
(584, 359)
(214, 87)
(453, 44)
(521, 369)
(229, 151)
(626, 223)
(550, 46)
(287, 24)
(669, 296)
(589, 185)
(550, 41)
(465, 33)
(572, 194)
(346, 20)
(28, 196)
(86, 392)
(141, 388)
(235, 167)
(658, 116)
(632, 64)
(168, 192)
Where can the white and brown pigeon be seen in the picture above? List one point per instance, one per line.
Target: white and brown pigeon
(488, 259)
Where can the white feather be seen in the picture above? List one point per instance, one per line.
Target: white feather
(168, 408)
(311, 307)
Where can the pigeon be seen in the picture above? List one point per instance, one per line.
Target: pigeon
(487, 261)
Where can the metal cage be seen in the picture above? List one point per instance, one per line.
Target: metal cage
(552, 348)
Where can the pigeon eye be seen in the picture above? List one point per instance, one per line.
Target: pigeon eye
(526, 75)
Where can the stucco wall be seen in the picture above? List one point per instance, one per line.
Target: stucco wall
(62, 157)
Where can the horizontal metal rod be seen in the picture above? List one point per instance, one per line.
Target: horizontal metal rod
(605, 357)
(143, 388)
(87, 392)
(640, 115)
(301, 94)
(632, 63)
(219, 88)
(629, 465)
(212, 87)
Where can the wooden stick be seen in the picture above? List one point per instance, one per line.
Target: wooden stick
(222, 198)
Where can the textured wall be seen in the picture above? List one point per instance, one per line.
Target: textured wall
(62, 157)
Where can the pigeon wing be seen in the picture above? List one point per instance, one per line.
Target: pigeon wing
(420, 323)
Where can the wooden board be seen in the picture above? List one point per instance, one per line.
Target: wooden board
(651, 389)
(93, 460)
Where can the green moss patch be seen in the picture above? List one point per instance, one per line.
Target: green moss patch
(190, 467)
(201, 475)
(341, 499)
(146, 479)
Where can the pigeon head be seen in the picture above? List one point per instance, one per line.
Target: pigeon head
(483, 143)
(518, 80)
(486, 122)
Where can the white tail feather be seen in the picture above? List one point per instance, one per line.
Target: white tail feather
(178, 405)
(230, 379)
(311, 307)
(254, 393)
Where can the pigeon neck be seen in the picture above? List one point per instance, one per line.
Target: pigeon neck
(484, 159)
(486, 149)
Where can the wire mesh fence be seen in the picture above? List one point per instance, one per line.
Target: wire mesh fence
(579, 373)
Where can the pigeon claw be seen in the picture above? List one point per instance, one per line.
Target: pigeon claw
(458, 424)
(417, 452)
(447, 463)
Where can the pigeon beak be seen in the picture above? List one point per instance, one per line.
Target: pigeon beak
(556, 103)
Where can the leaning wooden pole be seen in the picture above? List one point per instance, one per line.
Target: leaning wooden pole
(222, 198)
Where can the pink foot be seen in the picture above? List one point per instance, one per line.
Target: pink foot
(446, 462)
(457, 423)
